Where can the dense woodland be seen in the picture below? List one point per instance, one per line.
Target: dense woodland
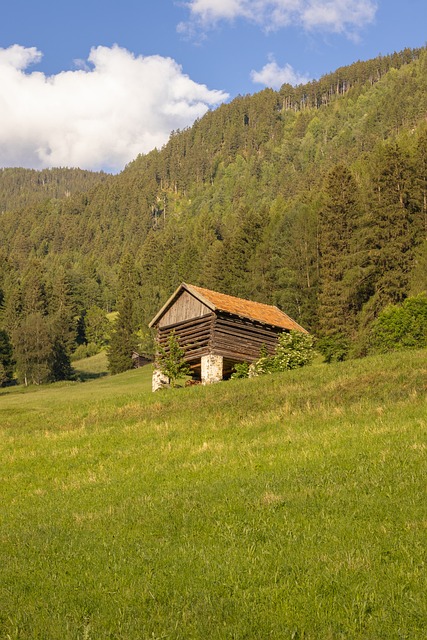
(313, 198)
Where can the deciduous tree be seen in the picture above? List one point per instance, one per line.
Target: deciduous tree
(171, 360)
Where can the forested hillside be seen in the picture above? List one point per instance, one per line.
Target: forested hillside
(313, 198)
(20, 188)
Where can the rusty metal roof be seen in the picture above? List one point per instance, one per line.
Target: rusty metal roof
(256, 311)
(264, 313)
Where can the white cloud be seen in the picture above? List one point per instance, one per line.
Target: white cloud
(271, 75)
(101, 115)
(212, 10)
(19, 57)
(339, 16)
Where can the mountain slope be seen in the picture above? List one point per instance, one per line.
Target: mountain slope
(238, 202)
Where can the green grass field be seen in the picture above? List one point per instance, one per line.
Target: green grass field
(292, 506)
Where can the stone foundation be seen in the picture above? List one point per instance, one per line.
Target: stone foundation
(159, 380)
(211, 369)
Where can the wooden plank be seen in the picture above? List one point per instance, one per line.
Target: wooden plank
(191, 322)
(193, 336)
(184, 308)
(188, 331)
(188, 340)
(247, 326)
(187, 335)
(249, 344)
(245, 337)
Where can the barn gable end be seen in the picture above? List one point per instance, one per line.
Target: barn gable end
(184, 307)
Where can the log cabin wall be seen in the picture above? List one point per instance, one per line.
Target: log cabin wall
(234, 338)
(194, 335)
(242, 339)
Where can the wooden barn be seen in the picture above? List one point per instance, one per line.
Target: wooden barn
(140, 359)
(217, 331)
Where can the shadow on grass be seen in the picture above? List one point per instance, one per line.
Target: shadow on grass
(4, 391)
(85, 376)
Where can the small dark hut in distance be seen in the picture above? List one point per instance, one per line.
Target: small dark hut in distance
(140, 359)
(217, 331)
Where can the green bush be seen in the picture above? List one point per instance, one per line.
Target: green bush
(85, 351)
(240, 370)
(294, 349)
(334, 348)
(401, 326)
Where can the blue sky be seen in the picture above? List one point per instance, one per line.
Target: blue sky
(94, 83)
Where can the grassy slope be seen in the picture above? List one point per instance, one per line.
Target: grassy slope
(291, 506)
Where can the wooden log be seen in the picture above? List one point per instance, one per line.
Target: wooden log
(190, 323)
(195, 331)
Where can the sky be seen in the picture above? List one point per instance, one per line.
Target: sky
(94, 83)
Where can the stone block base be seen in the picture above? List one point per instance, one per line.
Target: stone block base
(159, 380)
(211, 369)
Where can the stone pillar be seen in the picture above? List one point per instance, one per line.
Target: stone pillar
(211, 368)
(159, 380)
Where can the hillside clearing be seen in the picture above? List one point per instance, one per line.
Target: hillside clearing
(289, 506)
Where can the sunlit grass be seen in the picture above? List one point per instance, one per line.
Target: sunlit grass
(95, 366)
(290, 506)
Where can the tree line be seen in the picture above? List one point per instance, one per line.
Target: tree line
(321, 211)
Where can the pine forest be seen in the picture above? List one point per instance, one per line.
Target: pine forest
(312, 198)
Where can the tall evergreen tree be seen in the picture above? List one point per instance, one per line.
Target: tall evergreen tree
(418, 281)
(34, 296)
(63, 324)
(238, 253)
(124, 338)
(96, 326)
(6, 358)
(421, 179)
(392, 232)
(32, 348)
(294, 277)
(337, 225)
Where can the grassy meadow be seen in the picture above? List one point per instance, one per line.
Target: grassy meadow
(292, 506)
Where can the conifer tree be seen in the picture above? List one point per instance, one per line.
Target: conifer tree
(32, 348)
(421, 179)
(392, 234)
(337, 225)
(238, 253)
(124, 338)
(294, 269)
(6, 359)
(34, 297)
(11, 308)
(63, 325)
(96, 326)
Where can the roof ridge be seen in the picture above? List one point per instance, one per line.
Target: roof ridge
(216, 301)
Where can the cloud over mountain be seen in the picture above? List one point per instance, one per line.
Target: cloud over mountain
(271, 75)
(338, 16)
(99, 116)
